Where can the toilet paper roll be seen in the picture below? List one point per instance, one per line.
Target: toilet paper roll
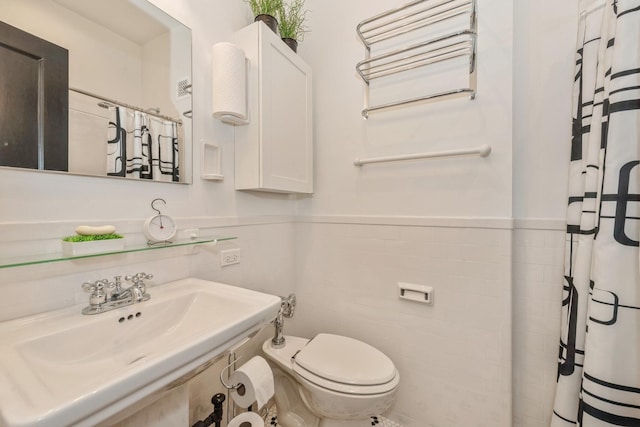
(247, 419)
(257, 378)
(229, 84)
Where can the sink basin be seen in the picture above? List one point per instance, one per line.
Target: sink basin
(64, 368)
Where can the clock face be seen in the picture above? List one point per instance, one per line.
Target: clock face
(160, 228)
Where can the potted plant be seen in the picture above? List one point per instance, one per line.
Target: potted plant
(266, 11)
(291, 17)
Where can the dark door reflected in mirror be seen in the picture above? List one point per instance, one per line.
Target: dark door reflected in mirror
(95, 87)
(33, 100)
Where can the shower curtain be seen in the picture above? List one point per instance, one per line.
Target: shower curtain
(142, 146)
(599, 355)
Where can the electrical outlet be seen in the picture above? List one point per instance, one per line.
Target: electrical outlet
(229, 257)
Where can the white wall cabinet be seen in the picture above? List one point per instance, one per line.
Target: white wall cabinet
(274, 152)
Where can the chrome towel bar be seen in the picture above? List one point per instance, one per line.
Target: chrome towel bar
(398, 22)
(483, 151)
(390, 24)
(411, 57)
(431, 97)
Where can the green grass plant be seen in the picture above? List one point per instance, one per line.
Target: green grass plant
(93, 237)
(265, 7)
(291, 18)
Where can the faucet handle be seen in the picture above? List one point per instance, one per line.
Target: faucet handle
(89, 287)
(288, 305)
(98, 295)
(98, 285)
(134, 279)
(138, 277)
(138, 281)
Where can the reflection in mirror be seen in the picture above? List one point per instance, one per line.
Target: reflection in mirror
(95, 87)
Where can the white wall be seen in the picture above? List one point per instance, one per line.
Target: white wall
(534, 121)
(463, 187)
(365, 229)
(537, 293)
(454, 357)
(38, 197)
(94, 51)
(156, 68)
(36, 209)
(544, 57)
(416, 221)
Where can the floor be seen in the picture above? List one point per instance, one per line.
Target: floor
(271, 420)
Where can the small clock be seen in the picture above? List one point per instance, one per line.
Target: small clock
(160, 228)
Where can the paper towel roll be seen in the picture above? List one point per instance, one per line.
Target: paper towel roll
(247, 419)
(229, 84)
(257, 378)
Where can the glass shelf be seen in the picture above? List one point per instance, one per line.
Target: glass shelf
(59, 256)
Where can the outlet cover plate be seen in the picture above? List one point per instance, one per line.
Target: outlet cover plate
(229, 257)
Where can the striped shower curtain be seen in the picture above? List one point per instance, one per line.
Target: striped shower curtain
(142, 146)
(599, 356)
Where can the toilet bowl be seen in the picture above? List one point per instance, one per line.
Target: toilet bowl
(337, 380)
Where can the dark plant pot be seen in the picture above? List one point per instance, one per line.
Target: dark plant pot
(269, 20)
(292, 43)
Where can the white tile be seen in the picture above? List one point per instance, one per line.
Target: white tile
(522, 270)
(475, 269)
(420, 248)
(528, 238)
(345, 277)
(443, 235)
(542, 255)
(171, 410)
(554, 239)
(487, 237)
(554, 273)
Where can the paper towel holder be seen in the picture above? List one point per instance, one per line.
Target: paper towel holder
(226, 113)
(239, 388)
(232, 119)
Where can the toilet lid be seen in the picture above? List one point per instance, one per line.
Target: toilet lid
(345, 360)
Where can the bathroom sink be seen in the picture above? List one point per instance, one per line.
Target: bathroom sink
(64, 368)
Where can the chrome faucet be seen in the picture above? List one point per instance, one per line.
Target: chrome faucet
(106, 296)
(287, 308)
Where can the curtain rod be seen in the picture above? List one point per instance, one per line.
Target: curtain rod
(122, 104)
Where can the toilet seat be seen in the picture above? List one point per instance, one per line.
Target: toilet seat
(345, 365)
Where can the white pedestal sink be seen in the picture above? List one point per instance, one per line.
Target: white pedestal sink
(64, 368)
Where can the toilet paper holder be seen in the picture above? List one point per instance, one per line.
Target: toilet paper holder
(239, 388)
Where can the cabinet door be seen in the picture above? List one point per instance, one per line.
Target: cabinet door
(286, 119)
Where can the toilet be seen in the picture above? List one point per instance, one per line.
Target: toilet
(330, 381)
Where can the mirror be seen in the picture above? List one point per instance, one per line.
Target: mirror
(123, 107)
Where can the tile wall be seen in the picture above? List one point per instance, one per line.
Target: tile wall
(537, 292)
(267, 265)
(454, 357)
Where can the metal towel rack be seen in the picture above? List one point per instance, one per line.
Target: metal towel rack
(404, 20)
(483, 151)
